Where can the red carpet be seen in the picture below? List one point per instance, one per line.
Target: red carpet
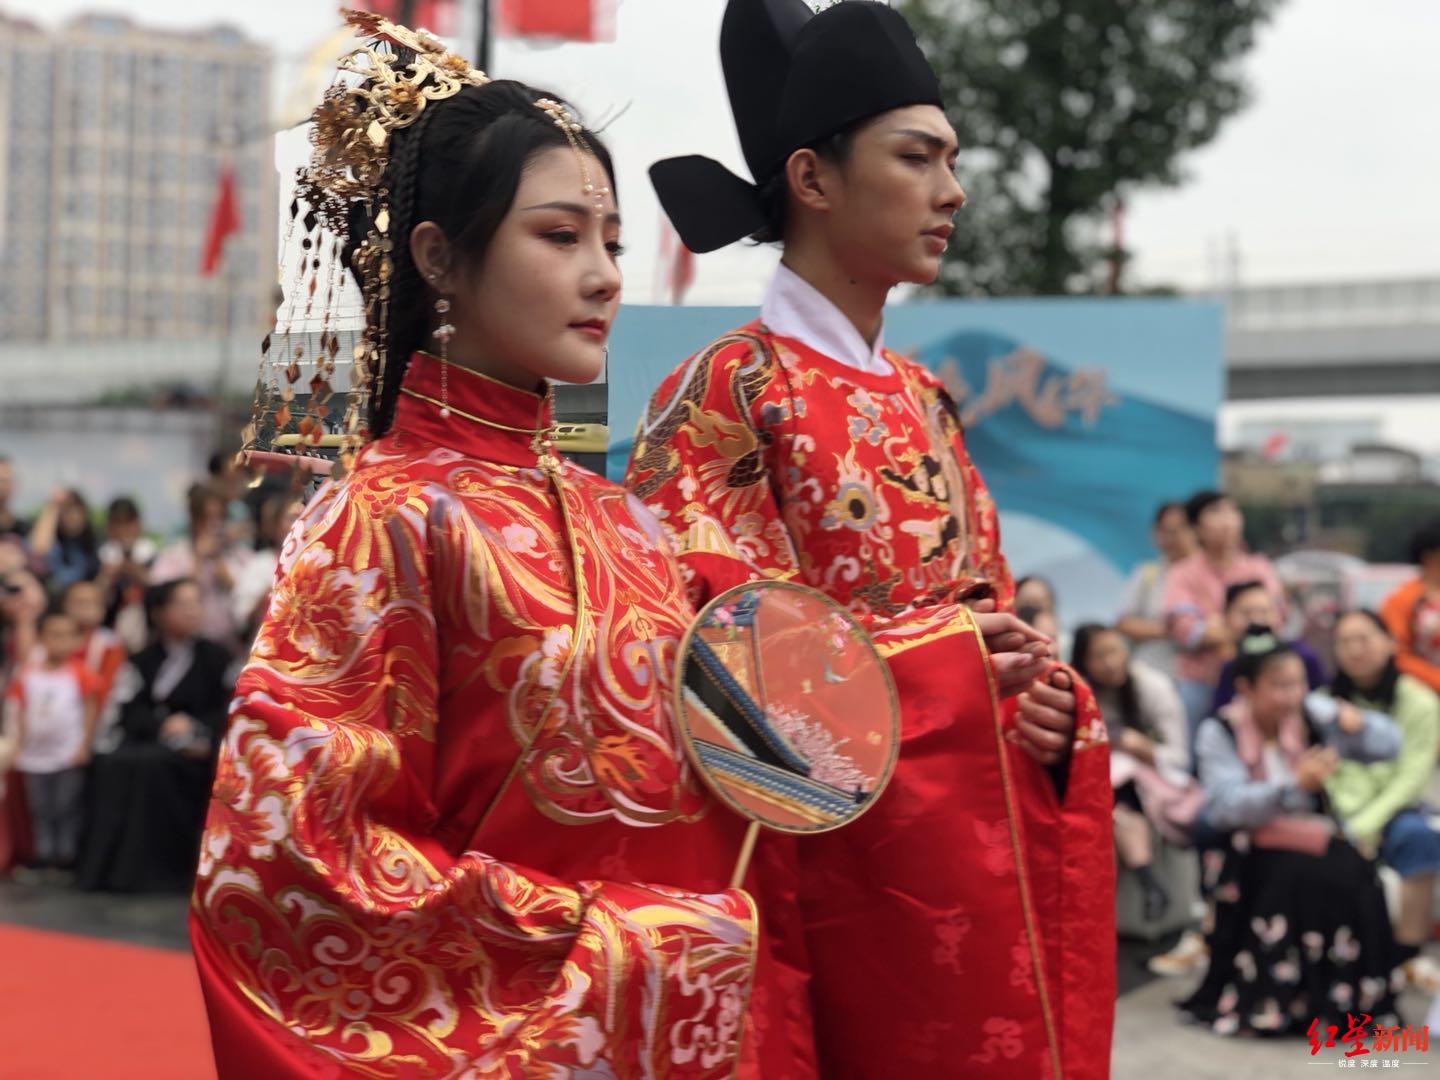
(73, 1007)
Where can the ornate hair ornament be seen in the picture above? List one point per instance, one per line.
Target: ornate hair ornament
(392, 78)
(395, 75)
(351, 128)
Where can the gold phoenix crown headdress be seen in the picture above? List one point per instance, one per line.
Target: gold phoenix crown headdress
(397, 72)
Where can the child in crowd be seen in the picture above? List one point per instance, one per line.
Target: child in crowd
(101, 652)
(52, 706)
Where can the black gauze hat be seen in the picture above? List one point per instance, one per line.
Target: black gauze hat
(794, 78)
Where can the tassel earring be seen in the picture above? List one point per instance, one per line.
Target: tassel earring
(443, 333)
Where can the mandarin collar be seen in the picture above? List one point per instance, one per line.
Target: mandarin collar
(477, 402)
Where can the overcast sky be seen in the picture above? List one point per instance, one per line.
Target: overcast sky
(1331, 174)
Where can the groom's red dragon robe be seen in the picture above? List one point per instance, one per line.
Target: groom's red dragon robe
(925, 918)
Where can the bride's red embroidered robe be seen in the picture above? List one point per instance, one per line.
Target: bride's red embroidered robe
(924, 918)
(396, 879)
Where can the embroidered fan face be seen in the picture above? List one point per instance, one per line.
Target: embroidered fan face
(786, 709)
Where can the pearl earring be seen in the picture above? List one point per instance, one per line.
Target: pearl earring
(443, 333)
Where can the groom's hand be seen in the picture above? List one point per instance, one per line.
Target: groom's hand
(1018, 652)
(1046, 720)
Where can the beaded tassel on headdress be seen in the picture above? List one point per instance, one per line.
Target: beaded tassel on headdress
(399, 71)
(395, 74)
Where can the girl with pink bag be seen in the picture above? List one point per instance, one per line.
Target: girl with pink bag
(1301, 932)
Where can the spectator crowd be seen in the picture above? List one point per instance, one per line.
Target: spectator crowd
(1270, 801)
(118, 655)
(1264, 794)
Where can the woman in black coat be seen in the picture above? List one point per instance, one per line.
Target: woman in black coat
(148, 797)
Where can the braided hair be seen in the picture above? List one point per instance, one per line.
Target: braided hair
(459, 165)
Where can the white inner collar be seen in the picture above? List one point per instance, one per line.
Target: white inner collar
(794, 308)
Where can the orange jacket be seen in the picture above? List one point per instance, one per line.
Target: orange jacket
(1398, 611)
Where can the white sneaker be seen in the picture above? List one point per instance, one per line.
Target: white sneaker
(1190, 956)
(1423, 973)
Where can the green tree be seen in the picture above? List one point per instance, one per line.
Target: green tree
(1064, 105)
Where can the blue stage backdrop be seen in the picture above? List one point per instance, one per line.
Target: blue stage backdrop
(1083, 415)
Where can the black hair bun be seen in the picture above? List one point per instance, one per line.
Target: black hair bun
(1258, 640)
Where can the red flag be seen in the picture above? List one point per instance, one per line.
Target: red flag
(224, 220)
(1274, 445)
(568, 20)
(433, 15)
(682, 272)
(677, 262)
